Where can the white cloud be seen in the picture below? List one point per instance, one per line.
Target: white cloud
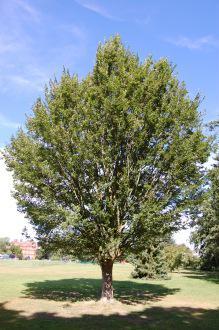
(7, 123)
(74, 30)
(19, 80)
(24, 66)
(143, 21)
(34, 81)
(12, 42)
(11, 221)
(96, 8)
(8, 46)
(197, 43)
(16, 46)
(29, 10)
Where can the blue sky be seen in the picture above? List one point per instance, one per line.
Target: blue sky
(39, 37)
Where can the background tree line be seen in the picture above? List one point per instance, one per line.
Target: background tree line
(206, 223)
(6, 247)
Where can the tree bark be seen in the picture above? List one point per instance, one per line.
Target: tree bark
(107, 288)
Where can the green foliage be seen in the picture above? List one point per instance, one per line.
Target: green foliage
(4, 244)
(9, 248)
(151, 263)
(213, 124)
(206, 234)
(41, 254)
(179, 256)
(159, 257)
(111, 160)
(16, 250)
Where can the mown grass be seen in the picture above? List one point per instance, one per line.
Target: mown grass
(56, 295)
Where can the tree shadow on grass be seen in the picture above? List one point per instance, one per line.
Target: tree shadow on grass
(158, 318)
(202, 275)
(81, 289)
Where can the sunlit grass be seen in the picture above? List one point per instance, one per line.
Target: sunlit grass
(56, 295)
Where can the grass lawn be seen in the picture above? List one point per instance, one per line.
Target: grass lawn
(55, 295)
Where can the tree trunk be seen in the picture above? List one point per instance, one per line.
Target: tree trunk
(107, 288)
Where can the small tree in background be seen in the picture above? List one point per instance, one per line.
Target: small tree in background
(111, 160)
(4, 244)
(16, 251)
(9, 248)
(151, 263)
(178, 256)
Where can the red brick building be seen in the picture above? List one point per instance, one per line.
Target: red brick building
(28, 248)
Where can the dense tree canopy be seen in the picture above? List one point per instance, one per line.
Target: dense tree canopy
(111, 159)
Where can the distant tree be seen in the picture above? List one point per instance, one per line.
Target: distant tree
(178, 256)
(160, 257)
(4, 244)
(9, 248)
(16, 251)
(110, 160)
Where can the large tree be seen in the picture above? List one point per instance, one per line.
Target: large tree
(107, 161)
